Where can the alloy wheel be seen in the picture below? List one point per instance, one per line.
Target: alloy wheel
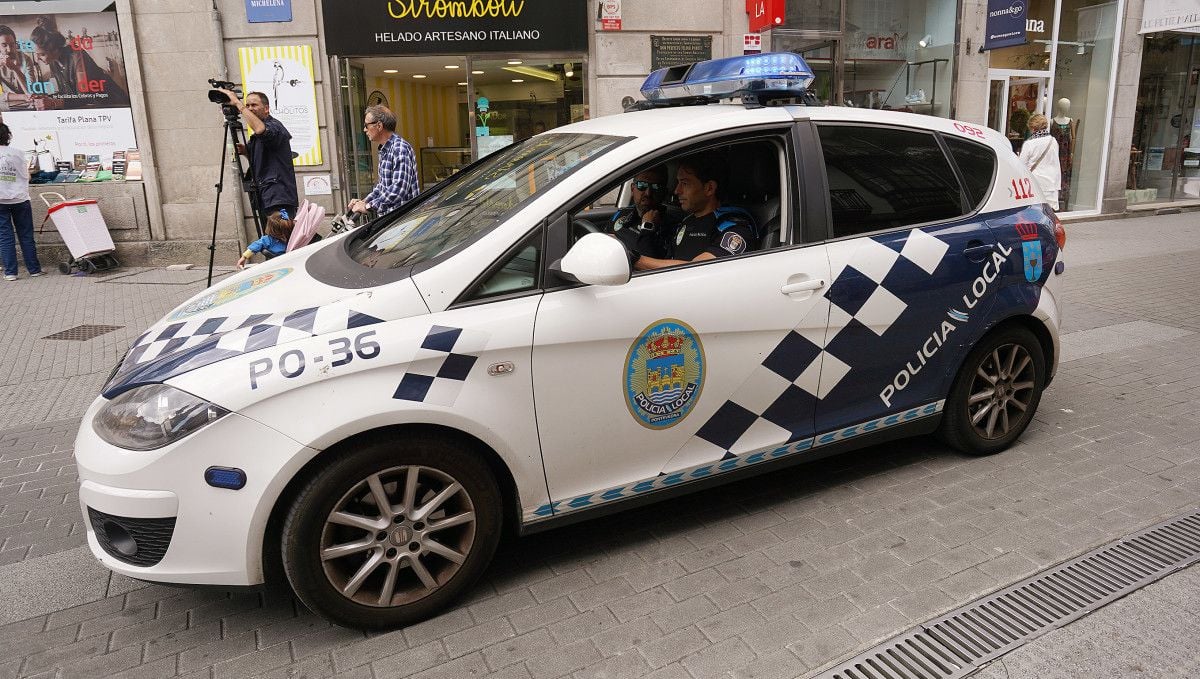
(398, 536)
(1001, 391)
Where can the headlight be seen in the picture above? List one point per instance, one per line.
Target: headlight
(153, 416)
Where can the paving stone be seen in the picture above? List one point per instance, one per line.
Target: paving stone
(518, 649)
(409, 661)
(778, 665)
(313, 667)
(629, 664)
(626, 636)
(500, 606)
(673, 647)
(561, 585)
(58, 655)
(327, 640)
(719, 658)
(368, 650)
(824, 644)
(478, 637)
(683, 614)
(211, 653)
(700, 582)
(252, 664)
(583, 626)
(546, 614)
(564, 661)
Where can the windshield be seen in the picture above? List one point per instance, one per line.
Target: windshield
(477, 199)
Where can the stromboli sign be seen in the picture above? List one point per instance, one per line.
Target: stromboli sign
(423, 27)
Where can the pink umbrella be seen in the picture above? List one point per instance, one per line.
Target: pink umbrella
(309, 217)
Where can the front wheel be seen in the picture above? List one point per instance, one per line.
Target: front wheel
(996, 392)
(391, 532)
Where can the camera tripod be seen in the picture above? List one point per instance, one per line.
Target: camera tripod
(235, 133)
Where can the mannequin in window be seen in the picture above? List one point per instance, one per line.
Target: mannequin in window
(1062, 128)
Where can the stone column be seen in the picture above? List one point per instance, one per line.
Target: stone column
(1129, 68)
(620, 60)
(971, 88)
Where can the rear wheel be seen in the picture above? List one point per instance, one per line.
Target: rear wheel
(392, 532)
(996, 393)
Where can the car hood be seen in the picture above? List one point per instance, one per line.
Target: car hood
(268, 305)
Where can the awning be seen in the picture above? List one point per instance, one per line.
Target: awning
(1171, 15)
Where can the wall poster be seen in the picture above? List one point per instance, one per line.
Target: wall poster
(285, 75)
(63, 88)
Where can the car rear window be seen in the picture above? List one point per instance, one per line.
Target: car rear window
(977, 163)
(885, 178)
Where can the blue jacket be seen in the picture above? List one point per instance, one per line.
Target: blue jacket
(269, 243)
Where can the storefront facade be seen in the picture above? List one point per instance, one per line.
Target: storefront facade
(462, 84)
(1123, 102)
(1165, 148)
(1066, 70)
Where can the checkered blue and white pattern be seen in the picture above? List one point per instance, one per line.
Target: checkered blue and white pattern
(187, 345)
(441, 365)
(776, 402)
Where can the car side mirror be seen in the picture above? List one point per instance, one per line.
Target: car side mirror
(595, 259)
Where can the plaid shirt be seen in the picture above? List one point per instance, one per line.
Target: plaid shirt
(397, 176)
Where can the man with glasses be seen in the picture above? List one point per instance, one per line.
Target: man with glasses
(642, 226)
(397, 165)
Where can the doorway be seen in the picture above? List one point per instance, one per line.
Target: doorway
(1012, 99)
(1165, 155)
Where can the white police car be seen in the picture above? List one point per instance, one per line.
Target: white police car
(374, 410)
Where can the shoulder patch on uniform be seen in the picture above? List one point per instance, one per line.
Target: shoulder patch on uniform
(733, 242)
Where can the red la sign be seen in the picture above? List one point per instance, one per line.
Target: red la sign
(765, 14)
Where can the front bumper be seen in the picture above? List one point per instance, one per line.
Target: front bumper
(217, 534)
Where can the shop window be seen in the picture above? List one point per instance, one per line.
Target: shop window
(1078, 107)
(977, 164)
(886, 178)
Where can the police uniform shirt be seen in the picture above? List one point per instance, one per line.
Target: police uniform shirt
(626, 225)
(697, 235)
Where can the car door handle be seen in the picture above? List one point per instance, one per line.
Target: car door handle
(976, 251)
(802, 286)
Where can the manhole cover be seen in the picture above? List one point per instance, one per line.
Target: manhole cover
(82, 333)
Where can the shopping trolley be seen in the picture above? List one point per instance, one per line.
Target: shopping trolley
(82, 228)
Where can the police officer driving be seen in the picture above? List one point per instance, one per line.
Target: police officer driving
(709, 230)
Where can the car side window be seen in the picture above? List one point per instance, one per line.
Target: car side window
(977, 163)
(660, 220)
(517, 273)
(886, 178)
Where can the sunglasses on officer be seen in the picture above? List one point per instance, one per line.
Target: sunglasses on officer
(642, 185)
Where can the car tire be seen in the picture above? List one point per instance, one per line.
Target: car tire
(369, 569)
(981, 419)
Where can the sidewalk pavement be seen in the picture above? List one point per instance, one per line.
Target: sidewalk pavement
(778, 576)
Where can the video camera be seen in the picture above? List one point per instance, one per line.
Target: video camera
(215, 95)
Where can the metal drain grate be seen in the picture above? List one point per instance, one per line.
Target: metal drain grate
(82, 333)
(957, 643)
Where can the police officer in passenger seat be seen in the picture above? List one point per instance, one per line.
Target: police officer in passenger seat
(709, 230)
(644, 226)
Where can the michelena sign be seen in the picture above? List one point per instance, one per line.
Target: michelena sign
(422, 27)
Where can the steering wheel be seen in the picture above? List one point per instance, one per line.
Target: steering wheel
(580, 227)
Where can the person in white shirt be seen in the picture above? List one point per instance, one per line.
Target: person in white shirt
(15, 210)
(1040, 155)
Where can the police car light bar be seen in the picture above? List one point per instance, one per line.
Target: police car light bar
(773, 74)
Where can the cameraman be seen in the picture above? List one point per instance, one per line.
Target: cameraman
(270, 152)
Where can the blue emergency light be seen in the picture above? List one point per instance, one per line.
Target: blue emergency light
(769, 75)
